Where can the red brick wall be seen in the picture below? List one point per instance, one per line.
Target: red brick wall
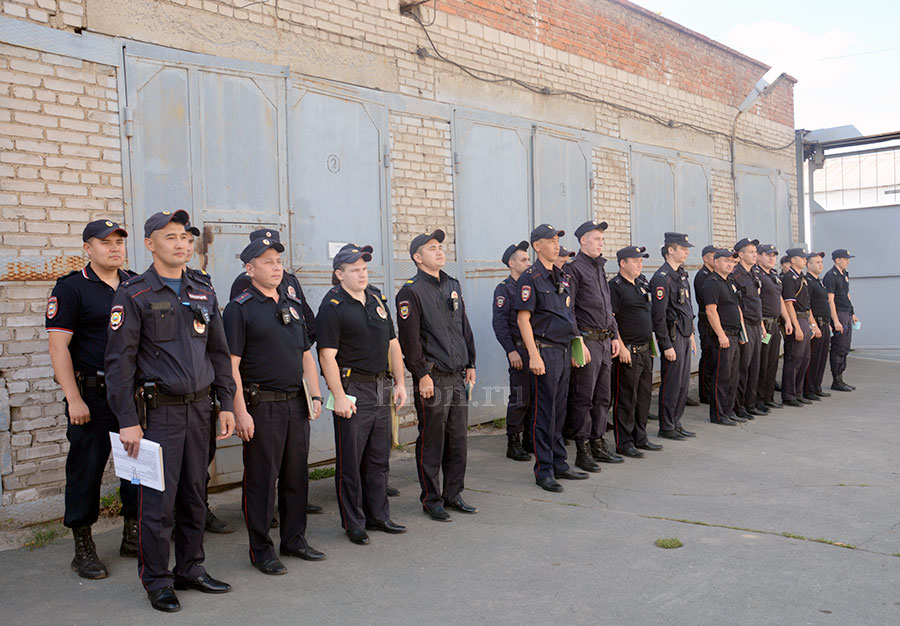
(628, 37)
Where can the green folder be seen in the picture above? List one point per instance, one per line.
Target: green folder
(329, 403)
(654, 351)
(578, 350)
(767, 337)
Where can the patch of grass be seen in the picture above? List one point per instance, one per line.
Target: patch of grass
(400, 447)
(669, 544)
(792, 536)
(499, 423)
(321, 472)
(896, 554)
(111, 503)
(839, 544)
(45, 535)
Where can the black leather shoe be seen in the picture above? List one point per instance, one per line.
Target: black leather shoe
(671, 434)
(307, 554)
(460, 506)
(386, 526)
(602, 453)
(691, 402)
(792, 402)
(392, 492)
(205, 584)
(725, 421)
(570, 474)
(358, 536)
(762, 408)
(754, 411)
(812, 397)
(313, 509)
(647, 445)
(840, 385)
(652, 417)
(549, 484)
(803, 400)
(272, 567)
(164, 600)
(741, 413)
(685, 433)
(632, 452)
(437, 513)
(217, 526)
(822, 394)
(772, 404)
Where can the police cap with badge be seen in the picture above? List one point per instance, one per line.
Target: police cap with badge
(420, 240)
(632, 252)
(588, 227)
(101, 229)
(511, 250)
(351, 253)
(164, 218)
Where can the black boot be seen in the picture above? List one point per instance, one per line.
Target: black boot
(129, 547)
(583, 457)
(217, 526)
(838, 384)
(514, 449)
(601, 452)
(86, 562)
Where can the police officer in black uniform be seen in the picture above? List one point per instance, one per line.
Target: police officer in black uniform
(837, 282)
(749, 286)
(360, 357)
(439, 352)
(796, 351)
(590, 388)
(546, 322)
(166, 337)
(271, 358)
(76, 319)
(726, 322)
(673, 324)
(821, 311)
(704, 372)
(777, 324)
(506, 330)
(632, 372)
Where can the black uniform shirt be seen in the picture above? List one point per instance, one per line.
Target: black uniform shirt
(546, 294)
(818, 297)
(271, 350)
(79, 305)
(770, 291)
(671, 295)
(506, 329)
(838, 283)
(631, 306)
(796, 290)
(432, 326)
(749, 288)
(360, 334)
(590, 293)
(158, 336)
(724, 294)
(700, 278)
(291, 287)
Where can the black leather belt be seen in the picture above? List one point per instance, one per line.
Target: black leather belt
(277, 396)
(770, 320)
(822, 321)
(365, 377)
(93, 382)
(164, 399)
(637, 349)
(732, 333)
(542, 343)
(596, 334)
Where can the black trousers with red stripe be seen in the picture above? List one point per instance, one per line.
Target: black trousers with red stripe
(634, 386)
(278, 450)
(796, 360)
(590, 393)
(818, 357)
(549, 412)
(749, 366)
(675, 376)
(363, 445)
(441, 444)
(725, 364)
(521, 395)
(768, 363)
(704, 370)
(177, 514)
(840, 344)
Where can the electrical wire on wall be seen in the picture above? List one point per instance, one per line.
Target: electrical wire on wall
(492, 77)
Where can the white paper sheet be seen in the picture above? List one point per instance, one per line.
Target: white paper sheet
(146, 470)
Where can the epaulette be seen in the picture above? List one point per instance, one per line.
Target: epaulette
(411, 280)
(334, 301)
(662, 273)
(201, 275)
(69, 275)
(617, 280)
(375, 291)
(130, 273)
(133, 280)
(243, 296)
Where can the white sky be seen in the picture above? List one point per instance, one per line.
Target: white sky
(845, 55)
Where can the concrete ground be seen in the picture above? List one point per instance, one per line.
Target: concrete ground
(586, 556)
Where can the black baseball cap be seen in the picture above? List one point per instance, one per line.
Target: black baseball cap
(708, 249)
(507, 254)
(192, 229)
(632, 252)
(162, 219)
(258, 246)
(420, 240)
(785, 259)
(265, 233)
(101, 229)
(589, 226)
(841, 253)
(565, 253)
(743, 243)
(724, 252)
(678, 238)
(545, 231)
(767, 248)
(351, 253)
(792, 252)
(812, 254)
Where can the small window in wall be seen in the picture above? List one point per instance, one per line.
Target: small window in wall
(859, 180)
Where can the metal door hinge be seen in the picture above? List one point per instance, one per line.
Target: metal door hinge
(128, 115)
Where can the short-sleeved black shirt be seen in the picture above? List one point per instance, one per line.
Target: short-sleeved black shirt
(749, 287)
(79, 305)
(838, 283)
(700, 278)
(795, 290)
(724, 294)
(818, 297)
(360, 334)
(546, 294)
(271, 351)
(770, 291)
(631, 306)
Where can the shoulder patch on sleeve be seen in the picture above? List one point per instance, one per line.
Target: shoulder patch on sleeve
(403, 309)
(52, 307)
(116, 317)
(500, 301)
(660, 293)
(243, 297)
(525, 293)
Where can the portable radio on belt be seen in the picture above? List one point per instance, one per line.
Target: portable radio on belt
(345, 377)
